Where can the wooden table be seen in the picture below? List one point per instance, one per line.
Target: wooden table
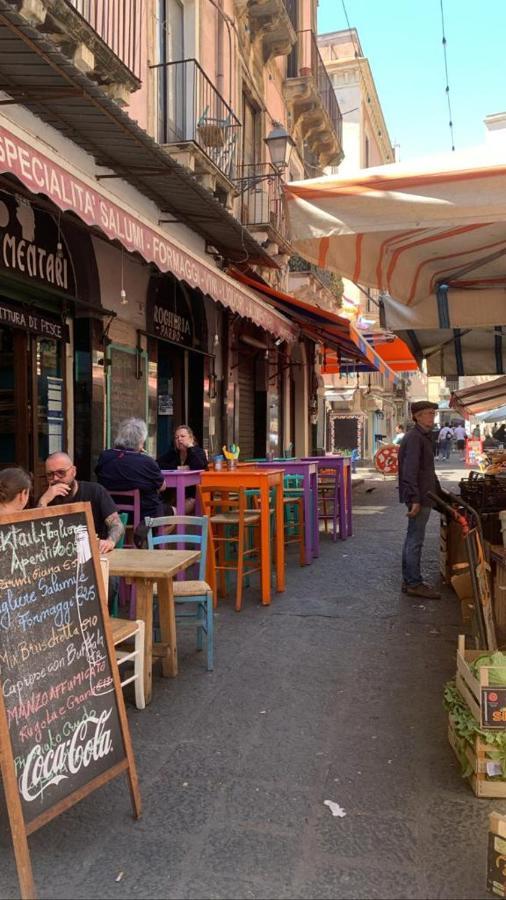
(260, 479)
(342, 469)
(309, 472)
(145, 568)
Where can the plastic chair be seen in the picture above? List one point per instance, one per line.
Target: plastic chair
(193, 598)
(231, 523)
(124, 630)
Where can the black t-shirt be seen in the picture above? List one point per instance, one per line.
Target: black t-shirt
(128, 470)
(102, 505)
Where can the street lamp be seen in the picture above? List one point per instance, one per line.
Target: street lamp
(279, 144)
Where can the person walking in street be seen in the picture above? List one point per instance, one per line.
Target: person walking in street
(417, 477)
(399, 434)
(460, 436)
(445, 441)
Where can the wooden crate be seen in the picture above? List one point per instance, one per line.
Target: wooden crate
(476, 753)
(452, 548)
(468, 686)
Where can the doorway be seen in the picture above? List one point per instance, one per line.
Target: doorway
(32, 401)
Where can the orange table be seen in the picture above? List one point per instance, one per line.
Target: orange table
(261, 480)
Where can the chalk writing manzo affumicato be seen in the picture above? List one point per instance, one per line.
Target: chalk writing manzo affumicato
(86, 745)
(56, 679)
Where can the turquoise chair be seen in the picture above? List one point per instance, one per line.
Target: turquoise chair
(194, 598)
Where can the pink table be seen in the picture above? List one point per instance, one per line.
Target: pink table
(341, 465)
(181, 479)
(309, 471)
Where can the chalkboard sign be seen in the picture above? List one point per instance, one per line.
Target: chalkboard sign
(346, 433)
(63, 728)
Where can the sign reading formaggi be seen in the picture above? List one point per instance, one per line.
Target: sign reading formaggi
(41, 175)
(63, 728)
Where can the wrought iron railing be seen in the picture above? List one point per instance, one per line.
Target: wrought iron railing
(305, 59)
(260, 190)
(297, 264)
(190, 110)
(118, 24)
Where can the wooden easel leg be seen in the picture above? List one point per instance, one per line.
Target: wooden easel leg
(18, 830)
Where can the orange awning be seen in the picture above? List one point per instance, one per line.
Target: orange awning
(398, 355)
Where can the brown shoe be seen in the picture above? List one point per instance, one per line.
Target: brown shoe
(423, 590)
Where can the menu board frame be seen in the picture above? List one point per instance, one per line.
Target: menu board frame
(21, 829)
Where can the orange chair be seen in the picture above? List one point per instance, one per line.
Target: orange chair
(234, 536)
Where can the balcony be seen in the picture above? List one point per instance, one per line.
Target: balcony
(197, 127)
(312, 103)
(314, 285)
(102, 39)
(269, 22)
(261, 209)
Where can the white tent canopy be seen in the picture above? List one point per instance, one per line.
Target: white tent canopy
(480, 398)
(431, 235)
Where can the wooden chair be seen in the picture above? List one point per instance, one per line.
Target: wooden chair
(128, 504)
(124, 630)
(293, 499)
(328, 499)
(235, 536)
(193, 598)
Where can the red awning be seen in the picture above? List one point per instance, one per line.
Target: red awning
(336, 333)
(398, 355)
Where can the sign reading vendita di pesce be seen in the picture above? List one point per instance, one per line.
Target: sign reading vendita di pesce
(63, 728)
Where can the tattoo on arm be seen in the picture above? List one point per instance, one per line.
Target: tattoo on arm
(115, 527)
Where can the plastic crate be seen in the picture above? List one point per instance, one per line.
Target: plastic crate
(484, 492)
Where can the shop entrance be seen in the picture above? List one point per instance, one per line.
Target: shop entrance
(32, 401)
(179, 393)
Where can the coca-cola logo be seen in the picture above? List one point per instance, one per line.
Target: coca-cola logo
(90, 742)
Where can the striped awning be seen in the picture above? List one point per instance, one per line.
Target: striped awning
(407, 228)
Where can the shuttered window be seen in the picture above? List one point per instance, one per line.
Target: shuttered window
(247, 407)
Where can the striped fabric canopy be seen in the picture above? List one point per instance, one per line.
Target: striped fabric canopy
(406, 227)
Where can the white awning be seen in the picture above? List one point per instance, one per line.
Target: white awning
(480, 397)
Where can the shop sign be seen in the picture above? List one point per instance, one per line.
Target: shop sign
(171, 326)
(169, 313)
(32, 321)
(493, 708)
(41, 175)
(31, 244)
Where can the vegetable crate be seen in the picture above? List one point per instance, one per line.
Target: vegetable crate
(468, 685)
(478, 755)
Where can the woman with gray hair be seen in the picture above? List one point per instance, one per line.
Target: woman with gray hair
(127, 466)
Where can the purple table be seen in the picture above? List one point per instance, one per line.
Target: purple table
(309, 471)
(181, 479)
(342, 468)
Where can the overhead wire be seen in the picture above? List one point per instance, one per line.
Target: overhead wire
(447, 86)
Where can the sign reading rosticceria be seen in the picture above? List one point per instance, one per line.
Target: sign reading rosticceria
(169, 315)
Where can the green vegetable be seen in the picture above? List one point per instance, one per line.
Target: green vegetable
(496, 675)
(468, 728)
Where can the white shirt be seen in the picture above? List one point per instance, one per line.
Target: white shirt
(460, 433)
(445, 433)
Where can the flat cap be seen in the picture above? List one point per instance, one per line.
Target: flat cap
(420, 405)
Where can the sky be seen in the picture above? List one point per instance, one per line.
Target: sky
(403, 41)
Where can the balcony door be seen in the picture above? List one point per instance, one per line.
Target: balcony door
(175, 83)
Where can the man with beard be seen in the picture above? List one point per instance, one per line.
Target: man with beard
(64, 488)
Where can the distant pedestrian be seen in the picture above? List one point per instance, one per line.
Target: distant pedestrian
(445, 441)
(435, 441)
(399, 434)
(460, 436)
(417, 477)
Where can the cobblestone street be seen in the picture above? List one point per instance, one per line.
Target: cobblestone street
(332, 693)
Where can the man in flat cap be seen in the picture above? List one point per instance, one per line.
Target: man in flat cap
(417, 476)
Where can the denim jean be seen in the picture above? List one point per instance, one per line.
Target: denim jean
(412, 549)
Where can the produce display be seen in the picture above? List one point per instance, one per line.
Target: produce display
(493, 462)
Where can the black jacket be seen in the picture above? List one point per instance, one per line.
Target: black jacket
(417, 474)
(195, 459)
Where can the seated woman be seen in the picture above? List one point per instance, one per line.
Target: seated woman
(127, 466)
(15, 487)
(185, 452)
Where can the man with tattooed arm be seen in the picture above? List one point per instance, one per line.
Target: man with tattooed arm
(64, 488)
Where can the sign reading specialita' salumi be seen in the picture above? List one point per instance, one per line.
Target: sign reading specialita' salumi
(63, 728)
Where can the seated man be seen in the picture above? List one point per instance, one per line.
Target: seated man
(64, 488)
